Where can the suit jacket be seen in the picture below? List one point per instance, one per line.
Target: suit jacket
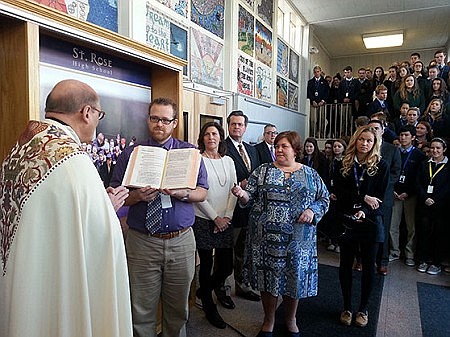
(104, 174)
(391, 154)
(322, 88)
(263, 153)
(240, 215)
(375, 106)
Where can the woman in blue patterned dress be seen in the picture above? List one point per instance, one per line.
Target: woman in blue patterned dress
(287, 199)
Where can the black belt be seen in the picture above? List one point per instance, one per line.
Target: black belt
(164, 236)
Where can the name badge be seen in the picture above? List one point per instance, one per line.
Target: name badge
(316, 94)
(430, 189)
(356, 206)
(401, 179)
(331, 182)
(165, 201)
(346, 94)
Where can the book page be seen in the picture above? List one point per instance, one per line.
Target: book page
(182, 167)
(145, 167)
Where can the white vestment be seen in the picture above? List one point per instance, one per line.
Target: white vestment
(64, 264)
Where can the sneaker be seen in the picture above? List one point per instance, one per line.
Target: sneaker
(346, 317)
(361, 319)
(393, 257)
(433, 270)
(337, 249)
(331, 247)
(422, 267)
(410, 262)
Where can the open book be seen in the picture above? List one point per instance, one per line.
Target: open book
(158, 168)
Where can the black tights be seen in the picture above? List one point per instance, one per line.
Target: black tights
(349, 249)
(223, 269)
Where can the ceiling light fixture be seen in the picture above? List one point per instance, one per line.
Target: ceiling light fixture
(383, 40)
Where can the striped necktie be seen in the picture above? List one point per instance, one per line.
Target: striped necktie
(244, 157)
(154, 215)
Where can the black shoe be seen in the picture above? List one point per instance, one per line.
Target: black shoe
(264, 334)
(248, 295)
(226, 302)
(213, 317)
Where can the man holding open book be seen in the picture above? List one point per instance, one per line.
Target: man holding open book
(160, 243)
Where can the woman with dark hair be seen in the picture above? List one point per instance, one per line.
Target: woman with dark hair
(424, 133)
(438, 90)
(438, 119)
(410, 92)
(433, 184)
(287, 199)
(212, 226)
(312, 157)
(378, 77)
(359, 188)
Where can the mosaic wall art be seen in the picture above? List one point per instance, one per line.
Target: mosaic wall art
(245, 75)
(250, 3)
(100, 12)
(209, 15)
(265, 10)
(263, 44)
(206, 60)
(294, 61)
(263, 82)
(157, 28)
(178, 6)
(292, 96)
(282, 94)
(282, 58)
(246, 34)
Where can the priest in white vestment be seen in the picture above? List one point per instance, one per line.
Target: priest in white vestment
(64, 270)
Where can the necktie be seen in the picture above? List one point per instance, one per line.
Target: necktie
(244, 157)
(271, 152)
(154, 215)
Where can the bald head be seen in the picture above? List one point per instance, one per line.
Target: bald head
(69, 96)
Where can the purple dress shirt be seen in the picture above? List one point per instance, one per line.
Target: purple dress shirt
(181, 214)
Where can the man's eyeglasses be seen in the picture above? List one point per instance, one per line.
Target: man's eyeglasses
(101, 113)
(272, 133)
(165, 121)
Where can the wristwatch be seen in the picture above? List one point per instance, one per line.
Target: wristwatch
(186, 197)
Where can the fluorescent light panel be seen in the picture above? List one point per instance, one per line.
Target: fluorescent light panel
(383, 40)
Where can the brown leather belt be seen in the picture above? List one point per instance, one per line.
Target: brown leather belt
(170, 235)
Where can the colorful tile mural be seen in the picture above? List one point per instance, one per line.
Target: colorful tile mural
(178, 6)
(282, 94)
(206, 60)
(209, 15)
(263, 82)
(246, 36)
(263, 44)
(245, 75)
(293, 96)
(294, 62)
(100, 12)
(282, 58)
(251, 3)
(265, 10)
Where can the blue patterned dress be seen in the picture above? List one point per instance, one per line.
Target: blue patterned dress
(281, 254)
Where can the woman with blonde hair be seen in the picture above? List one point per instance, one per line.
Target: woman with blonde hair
(359, 187)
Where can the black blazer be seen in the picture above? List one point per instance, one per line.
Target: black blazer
(240, 215)
(391, 155)
(263, 153)
(321, 87)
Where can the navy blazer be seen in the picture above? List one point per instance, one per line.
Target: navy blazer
(240, 215)
(263, 153)
(375, 106)
(322, 88)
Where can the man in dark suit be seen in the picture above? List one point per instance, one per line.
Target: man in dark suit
(245, 159)
(365, 93)
(379, 103)
(106, 170)
(265, 149)
(317, 92)
(349, 90)
(439, 57)
(391, 154)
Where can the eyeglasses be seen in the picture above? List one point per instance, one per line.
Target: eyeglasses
(272, 133)
(101, 113)
(165, 121)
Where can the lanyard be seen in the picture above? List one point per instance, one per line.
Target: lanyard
(358, 178)
(435, 173)
(407, 158)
